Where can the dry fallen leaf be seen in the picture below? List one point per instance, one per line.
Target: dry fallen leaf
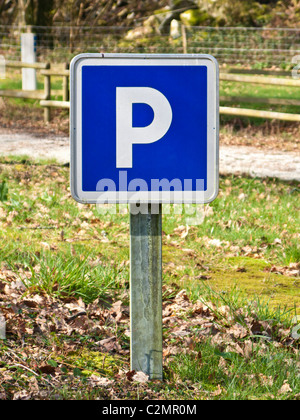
(48, 369)
(95, 380)
(266, 380)
(217, 392)
(140, 377)
(285, 388)
(21, 395)
(183, 231)
(130, 375)
(215, 242)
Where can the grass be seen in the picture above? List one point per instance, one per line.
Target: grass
(69, 276)
(63, 251)
(238, 263)
(252, 226)
(261, 376)
(261, 91)
(258, 91)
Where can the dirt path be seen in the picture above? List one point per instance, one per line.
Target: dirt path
(233, 159)
(35, 146)
(260, 163)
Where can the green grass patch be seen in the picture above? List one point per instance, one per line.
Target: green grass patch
(228, 376)
(86, 363)
(64, 281)
(252, 225)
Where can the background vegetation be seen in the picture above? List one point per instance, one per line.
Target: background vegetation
(283, 13)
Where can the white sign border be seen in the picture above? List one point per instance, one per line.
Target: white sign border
(92, 197)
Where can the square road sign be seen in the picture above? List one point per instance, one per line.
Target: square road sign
(144, 128)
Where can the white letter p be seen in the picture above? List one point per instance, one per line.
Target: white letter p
(127, 135)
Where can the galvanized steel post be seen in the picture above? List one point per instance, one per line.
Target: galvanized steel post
(146, 290)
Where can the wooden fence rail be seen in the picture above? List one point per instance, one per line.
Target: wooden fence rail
(55, 104)
(277, 81)
(237, 99)
(48, 71)
(24, 94)
(259, 114)
(256, 100)
(44, 96)
(20, 65)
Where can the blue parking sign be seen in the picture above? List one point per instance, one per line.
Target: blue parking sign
(144, 128)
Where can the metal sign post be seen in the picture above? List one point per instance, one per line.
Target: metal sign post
(144, 131)
(146, 291)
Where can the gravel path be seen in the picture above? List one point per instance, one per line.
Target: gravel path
(260, 163)
(233, 159)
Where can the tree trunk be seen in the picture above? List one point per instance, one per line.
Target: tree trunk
(44, 17)
(26, 12)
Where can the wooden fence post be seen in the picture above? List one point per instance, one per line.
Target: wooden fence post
(47, 90)
(66, 84)
(184, 39)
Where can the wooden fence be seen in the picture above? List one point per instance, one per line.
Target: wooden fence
(261, 80)
(44, 96)
(48, 71)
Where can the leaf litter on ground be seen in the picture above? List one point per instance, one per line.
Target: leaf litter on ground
(45, 337)
(54, 331)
